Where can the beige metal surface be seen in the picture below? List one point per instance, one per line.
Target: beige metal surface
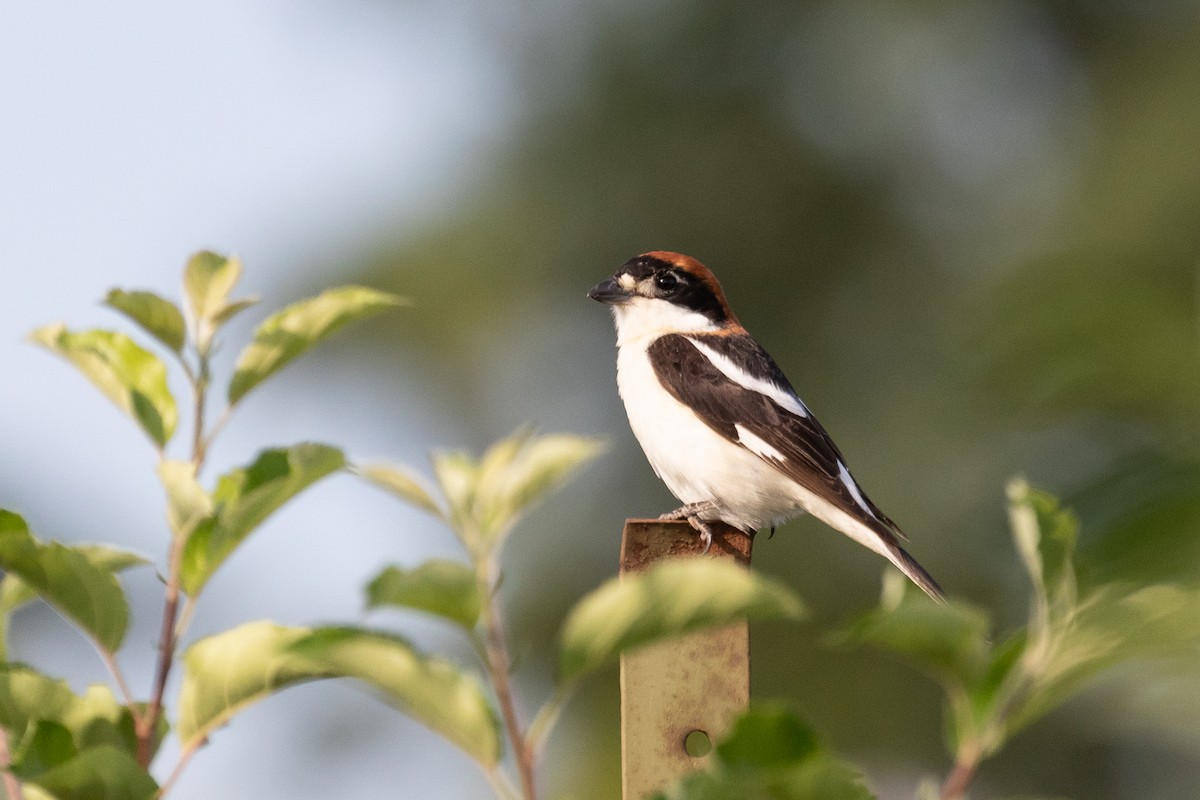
(699, 682)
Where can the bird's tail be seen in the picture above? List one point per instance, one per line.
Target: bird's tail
(915, 572)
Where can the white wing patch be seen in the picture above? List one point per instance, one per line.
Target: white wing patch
(848, 482)
(782, 397)
(757, 445)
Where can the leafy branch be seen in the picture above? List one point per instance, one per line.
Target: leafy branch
(996, 687)
(205, 526)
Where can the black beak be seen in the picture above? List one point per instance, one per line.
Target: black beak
(609, 292)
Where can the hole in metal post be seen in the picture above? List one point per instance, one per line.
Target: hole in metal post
(697, 744)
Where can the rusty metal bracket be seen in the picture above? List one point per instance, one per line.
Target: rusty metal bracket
(677, 697)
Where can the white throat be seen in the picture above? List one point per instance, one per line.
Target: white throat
(648, 318)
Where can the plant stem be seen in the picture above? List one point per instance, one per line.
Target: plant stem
(12, 786)
(168, 637)
(960, 777)
(501, 785)
(499, 666)
(114, 669)
(167, 641)
(184, 758)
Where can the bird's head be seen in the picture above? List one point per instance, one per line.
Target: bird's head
(662, 292)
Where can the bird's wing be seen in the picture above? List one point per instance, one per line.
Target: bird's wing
(731, 384)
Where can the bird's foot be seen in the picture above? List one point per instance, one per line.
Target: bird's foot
(705, 530)
(690, 510)
(691, 513)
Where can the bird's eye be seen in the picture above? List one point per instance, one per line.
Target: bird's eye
(666, 281)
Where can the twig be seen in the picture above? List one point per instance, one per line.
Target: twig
(168, 637)
(114, 669)
(185, 756)
(960, 777)
(501, 785)
(12, 786)
(167, 640)
(499, 664)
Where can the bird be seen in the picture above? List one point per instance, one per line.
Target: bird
(719, 422)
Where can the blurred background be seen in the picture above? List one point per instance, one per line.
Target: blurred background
(970, 234)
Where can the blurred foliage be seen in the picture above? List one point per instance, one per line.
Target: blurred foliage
(996, 688)
(770, 754)
(967, 232)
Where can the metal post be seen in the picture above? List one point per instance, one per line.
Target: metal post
(679, 696)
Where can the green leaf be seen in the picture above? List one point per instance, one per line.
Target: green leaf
(232, 670)
(446, 588)
(485, 498)
(160, 318)
(949, 640)
(225, 673)
(15, 593)
(132, 378)
(1111, 626)
(457, 475)
(232, 309)
(767, 736)
(94, 719)
(433, 691)
(246, 497)
(1045, 537)
(770, 754)
(208, 279)
(402, 483)
(670, 599)
(517, 472)
(187, 503)
(83, 590)
(101, 773)
(45, 745)
(287, 334)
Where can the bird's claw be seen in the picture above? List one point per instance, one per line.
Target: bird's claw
(691, 513)
(706, 534)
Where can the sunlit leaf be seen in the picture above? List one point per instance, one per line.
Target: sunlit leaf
(208, 279)
(517, 472)
(446, 588)
(232, 309)
(1045, 538)
(132, 378)
(100, 773)
(770, 754)
(246, 497)
(187, 503)
(457, 475)
(225, 673)
(83, 590)
(667, 600)
(159, 317)
(402, 483)
(431, 690)
(1112, 626)
(288, 333)
(230, 671)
